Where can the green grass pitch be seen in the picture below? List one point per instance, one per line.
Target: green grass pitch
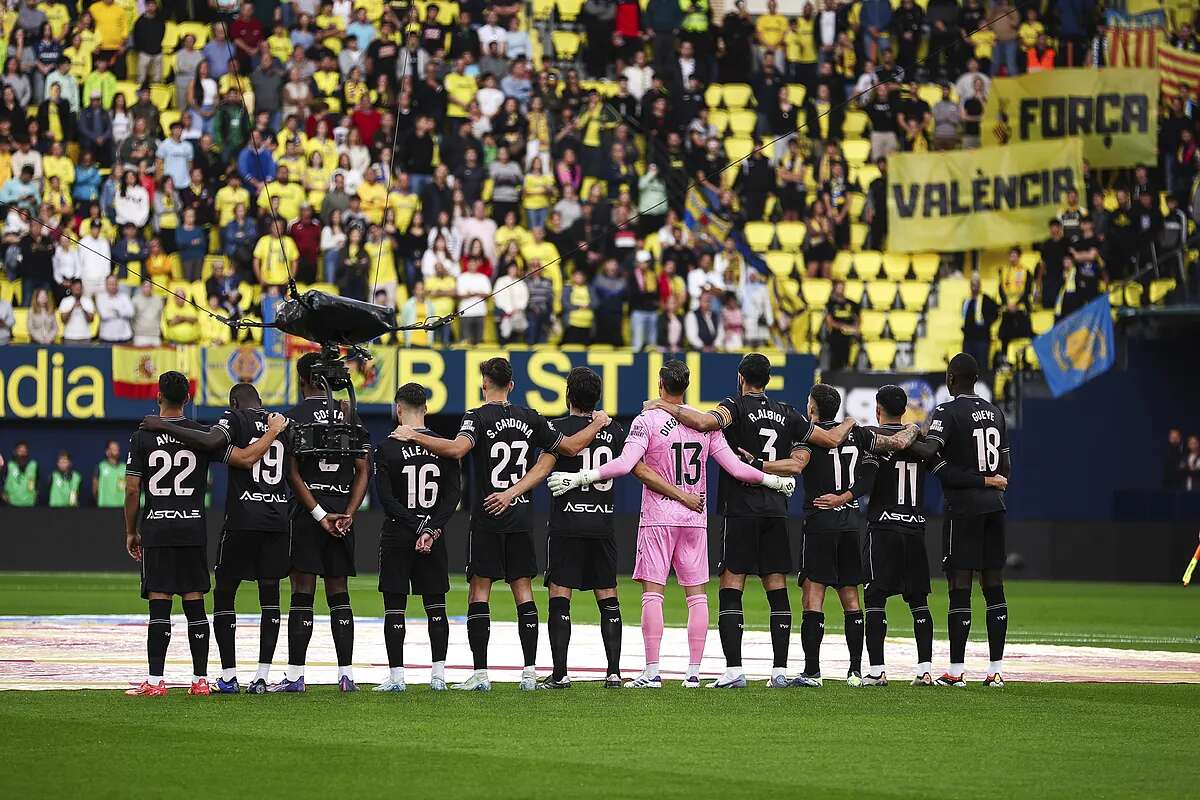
(1056, 740)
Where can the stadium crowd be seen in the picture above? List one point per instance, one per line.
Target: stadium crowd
(429, 155)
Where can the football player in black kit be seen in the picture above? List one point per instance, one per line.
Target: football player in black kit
(501, 438)
(255, 540)
(971, 434)
(326, 493)
(581, 549)
(755, 539)
(169, 535)
(893, 553)
(419, 492)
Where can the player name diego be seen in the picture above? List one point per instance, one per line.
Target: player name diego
(509, 422)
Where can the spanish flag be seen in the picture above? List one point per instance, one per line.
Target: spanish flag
(135, 370)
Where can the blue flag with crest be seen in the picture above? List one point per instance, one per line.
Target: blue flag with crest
(1078, 348)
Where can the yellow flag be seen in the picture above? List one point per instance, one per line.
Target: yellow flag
(226, 365)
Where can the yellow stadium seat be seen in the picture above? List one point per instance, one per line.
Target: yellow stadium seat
(881, 294)
(842, 263)
(20, 331)
(925, 266)
(903, 325)
(914, 295)
(928, 356)
(854, 290)
(816, 292)
(780, 263)
(931, 93)
(1042, 320)
(864, 175)
(858, 201)
(796, 93)
(719, 119)
(568, 10)
(197, 29)
(759, 235)
(895, 266)
(736, 95)
(952, 292)
(129, 89)
(866, 264)
(855, 123)
(1133, 294)
(737, 148)
(170, 36)
(858, 236)
(566, 44)
(162, 95)
(167, 117)
(815, 320)
(542, 9)
(880, 354)
(1160, 288)
(790, 234)
(856, 151)
(712, 95)
(742, 122)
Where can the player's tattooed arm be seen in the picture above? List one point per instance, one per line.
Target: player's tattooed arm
(901, 440)
(208, 441)
(456, 448)
(785, 467)
(692, 418)
(924, 449)
(832, 437)
(247, 457)
(660, 485)
(133, 494)
(496, 502)
(574, 444)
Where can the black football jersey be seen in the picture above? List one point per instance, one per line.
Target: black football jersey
(830, 471)
(588, 510)
(505, 440)
(898, 489)
(768, 429)
(418, 490)
(329, 479)
(973, 436)
(174, 481)
(257, 498)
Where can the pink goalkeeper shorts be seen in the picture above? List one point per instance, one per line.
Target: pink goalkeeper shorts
(660, 547)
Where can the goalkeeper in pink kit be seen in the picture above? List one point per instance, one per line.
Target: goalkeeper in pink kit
(669, 533)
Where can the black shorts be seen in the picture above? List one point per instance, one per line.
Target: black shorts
(830, 557)
(403, 570)
(253, 555)
(974, 543)
(318, 553)
(581, 562)
(755, 546)
(895, 562)
(174, 570)
(501, 556)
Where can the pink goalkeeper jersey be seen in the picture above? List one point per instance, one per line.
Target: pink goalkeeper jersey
(680, 455)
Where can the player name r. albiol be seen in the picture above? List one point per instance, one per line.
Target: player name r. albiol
(766, 414)
(509, 422)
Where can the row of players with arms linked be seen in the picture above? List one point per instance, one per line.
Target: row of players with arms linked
(271, 533)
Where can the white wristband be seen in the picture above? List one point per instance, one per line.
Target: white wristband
(319, 513)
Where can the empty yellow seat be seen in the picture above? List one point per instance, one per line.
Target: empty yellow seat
(542, 9)
(854, 290)
(856, 151)
(781, 263)
(842, 263)
(790, 234)
(568, 10)
(1042, 320)
(854, 124)
(880, 354)
(20, 331)
(867, 263)
(895, 266)
(914, 295)
(736, 95)
(719, 119)
(737, 148)
(566, 44)
(903, 325)
(742, 122)
(1160, 288)
(816, 292)
(712, 95)
(925, 266)
(858, 236)
(881, 294)
(928, 356)
(759, 236)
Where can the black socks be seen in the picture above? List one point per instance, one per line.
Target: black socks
(439, 625)
(300, 625)
(610, 632)
(854, 639)
(812, 630)
(527, 630)
(997, 621)
(341, 624)
(558, 626)
(158, 636)
(875, 617)
(958, 623)
(781, 626)
(224, 623)
(394, 606)
(923, 631)
(268, 622)
(479, 629)
(197, 622)
(730, 622)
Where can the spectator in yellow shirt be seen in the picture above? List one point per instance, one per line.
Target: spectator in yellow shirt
(273, 256)
(180, 322)
(112, 27)
(289, 196)
(538, 194)
(228, 198)
(1030, 29)
(373, 196)
(801, 48)
(769, 31)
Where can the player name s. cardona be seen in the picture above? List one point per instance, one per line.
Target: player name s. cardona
(263, 497)
(588, 508)
(170, 513)
(509, 422)
(984, 193)
(904, 519)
